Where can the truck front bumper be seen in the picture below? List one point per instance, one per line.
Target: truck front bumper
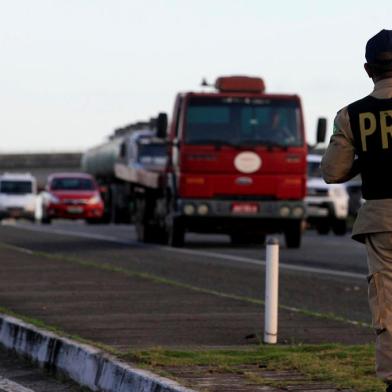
(228, 215)
(269, 209)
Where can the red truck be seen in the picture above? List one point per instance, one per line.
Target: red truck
(236, 165)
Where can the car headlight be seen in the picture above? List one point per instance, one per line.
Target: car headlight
(53, 199)
(94, 200)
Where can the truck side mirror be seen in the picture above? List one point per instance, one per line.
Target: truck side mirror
(162, 125)
(321, 130)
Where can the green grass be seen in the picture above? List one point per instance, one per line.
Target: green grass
(344, 366)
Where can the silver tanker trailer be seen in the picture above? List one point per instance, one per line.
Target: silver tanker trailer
(121, 164)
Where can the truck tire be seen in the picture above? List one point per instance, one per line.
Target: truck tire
(176, 233)
(293, 235)
(339, 226)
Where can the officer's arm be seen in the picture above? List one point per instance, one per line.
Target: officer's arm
(339, 163)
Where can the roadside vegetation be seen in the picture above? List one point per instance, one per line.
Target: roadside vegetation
(346, 367)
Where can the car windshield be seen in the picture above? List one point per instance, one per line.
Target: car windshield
(16, 187)
(243, 121)
(72, 184)
(314, 169)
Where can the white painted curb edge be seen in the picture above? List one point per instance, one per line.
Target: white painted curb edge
(82, 363)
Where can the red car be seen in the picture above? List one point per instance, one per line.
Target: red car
(70, 196)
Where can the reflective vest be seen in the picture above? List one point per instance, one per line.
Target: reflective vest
(371, 124)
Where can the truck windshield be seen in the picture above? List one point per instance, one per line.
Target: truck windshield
(243, 121)
(72, 184)
(16, 187)
(154, 153)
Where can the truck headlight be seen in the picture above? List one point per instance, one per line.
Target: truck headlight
(202, 209)
(284, 211)
(189, 209)
(298, 211)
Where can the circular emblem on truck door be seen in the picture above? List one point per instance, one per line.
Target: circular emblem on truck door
(247, 162)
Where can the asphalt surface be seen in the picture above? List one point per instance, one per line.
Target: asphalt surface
(98, 283)
(211, 262)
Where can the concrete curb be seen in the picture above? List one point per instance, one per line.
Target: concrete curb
(82, 363)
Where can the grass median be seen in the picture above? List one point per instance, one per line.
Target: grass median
(346, 367)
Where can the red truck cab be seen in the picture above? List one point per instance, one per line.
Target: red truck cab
(236, 164)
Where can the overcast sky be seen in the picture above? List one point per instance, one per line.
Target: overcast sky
(72, 71)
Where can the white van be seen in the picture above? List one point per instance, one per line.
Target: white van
(17, 196)
(327, 205)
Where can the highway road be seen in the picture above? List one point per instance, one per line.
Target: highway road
(327, 274)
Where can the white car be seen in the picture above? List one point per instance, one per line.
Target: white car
(17, 196)
(327, 204)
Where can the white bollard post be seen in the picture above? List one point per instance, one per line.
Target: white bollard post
(271, 291)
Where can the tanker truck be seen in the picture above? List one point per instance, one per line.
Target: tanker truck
(121, 163)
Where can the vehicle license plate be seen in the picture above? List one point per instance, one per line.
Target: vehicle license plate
(245, 208)
(75, 210)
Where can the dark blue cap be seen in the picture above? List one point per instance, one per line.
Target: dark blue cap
(379, 48)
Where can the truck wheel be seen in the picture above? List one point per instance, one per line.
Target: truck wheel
(339, 227)
(176, 233)
(293, 235)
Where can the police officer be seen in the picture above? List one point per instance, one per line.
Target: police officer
(362, 143)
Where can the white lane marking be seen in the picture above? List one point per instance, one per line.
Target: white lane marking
(10, 386)
(221, 256)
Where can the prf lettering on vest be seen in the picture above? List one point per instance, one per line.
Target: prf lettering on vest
(385, 129)
(368, 125)
(366, 130)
